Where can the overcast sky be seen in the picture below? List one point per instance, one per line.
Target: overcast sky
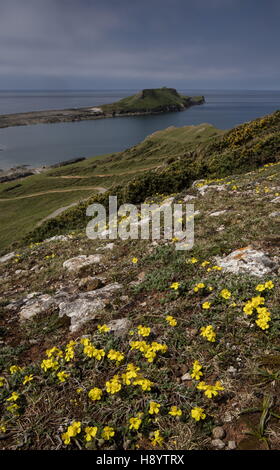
(101, 44)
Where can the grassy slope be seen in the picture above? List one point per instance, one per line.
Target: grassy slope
(114, 168)
(240, 345)
(244, 148)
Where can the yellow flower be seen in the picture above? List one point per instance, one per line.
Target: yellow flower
(15, 369)
(210, 390)
(198, 286)
(154, 408)
(49, 364)
(143, 330)
(196, 371)
(13, 397)
(2, 381)
(134, 260)
(198, 413)
(103, 328)
(3, 428)
(54, 352)
(156, 438)
(248, 308)
(225, 293)
(72, 431)
(206, 305)
(113, 385)
(27, 378)
(260, 287)
(13, 408)
(95, 394)
(174, 411)
(171, 320)
(62, 376)
(269, 285)
(91, 432)
(107, 433)
(135, 423)
(208, 333)
(193, 260)
(115, 355)
(175, 285)
(217, 268)
(205, 263)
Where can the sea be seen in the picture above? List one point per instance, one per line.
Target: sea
(46, 144)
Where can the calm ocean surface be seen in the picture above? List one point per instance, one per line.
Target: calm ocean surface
(46, 144)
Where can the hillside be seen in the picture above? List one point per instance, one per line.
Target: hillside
(131, 344)
(154, 100)
(59, 187)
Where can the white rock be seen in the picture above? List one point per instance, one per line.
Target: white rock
(34, 306)
(87, 306)
(247, 260)
(274, 214)
(275, 200)
(221, 228)
(7, 257)
(217, 213)
(189, 198)
(218, 443)
(231, 445)
(218, 432)
(79, 262)
(120, 326)
(57, 238)
(108, 246)
(186, 377)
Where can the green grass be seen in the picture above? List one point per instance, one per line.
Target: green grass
(18, 217)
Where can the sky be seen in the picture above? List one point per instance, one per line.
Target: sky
(135, 44)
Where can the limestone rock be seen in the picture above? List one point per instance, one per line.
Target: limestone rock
(275, 214)
(91, 283)
(57, 238)
(218, 432)
(81, 261)
(218, 443)
(120, 326)
(35, 305)
(247, 260)
(7, 257)
(87, 306)
(217, 213)
(231, 445)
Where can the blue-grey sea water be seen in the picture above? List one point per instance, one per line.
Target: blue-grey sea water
(46, 144)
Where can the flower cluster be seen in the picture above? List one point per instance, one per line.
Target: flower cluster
(208, 333)
(149, 351)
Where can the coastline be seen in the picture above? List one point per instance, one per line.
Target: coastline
(81, 114)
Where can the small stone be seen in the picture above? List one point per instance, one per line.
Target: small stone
(274, 214)
(7, 257)
(91, 283)
(120, 326)
(231, 445)
(82, 261)
(218, 443)
(186, 377)
(232, 370)
(217, 213)
(218, 432)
